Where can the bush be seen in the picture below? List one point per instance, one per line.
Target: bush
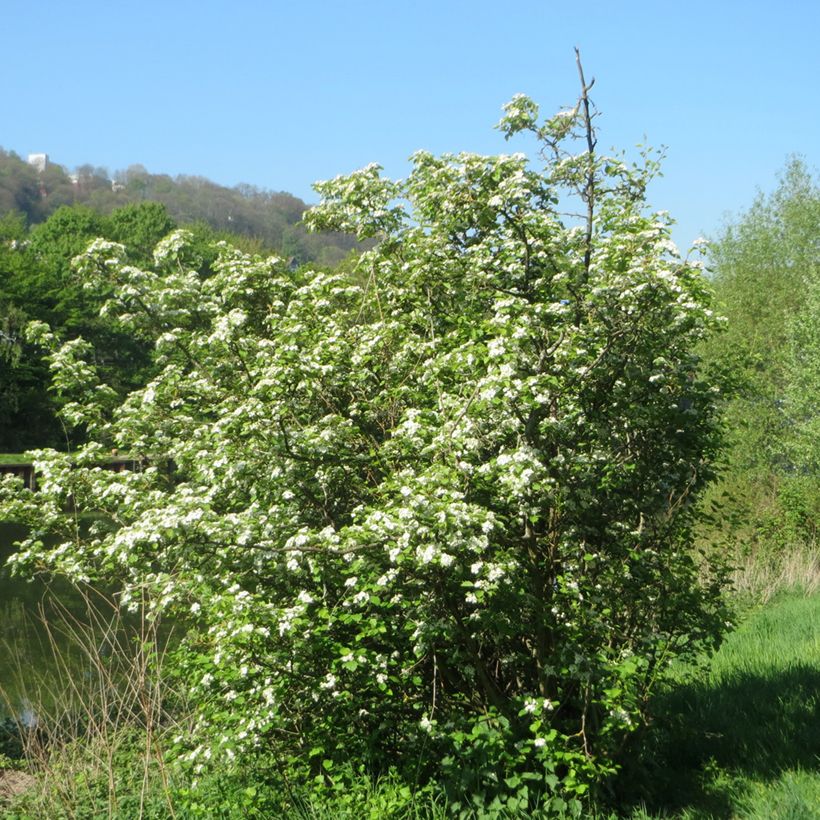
(432, 516)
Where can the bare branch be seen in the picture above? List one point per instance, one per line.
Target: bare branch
(588, 193)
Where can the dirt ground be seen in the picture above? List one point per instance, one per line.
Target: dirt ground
(13, 783)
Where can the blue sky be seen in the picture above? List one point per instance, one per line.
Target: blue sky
(280, 94)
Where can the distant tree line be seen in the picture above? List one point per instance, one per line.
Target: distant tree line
(273, 219)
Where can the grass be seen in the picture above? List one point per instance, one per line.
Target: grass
(14, 458)
(740, 739)
(737, 737)
(94, 743)
(758, 578)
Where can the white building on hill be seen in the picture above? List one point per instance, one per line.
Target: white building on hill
(38, 161)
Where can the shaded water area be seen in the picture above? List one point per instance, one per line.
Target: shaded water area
(26, 648)
(51, 634)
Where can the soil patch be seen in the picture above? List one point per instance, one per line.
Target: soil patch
(13, 783)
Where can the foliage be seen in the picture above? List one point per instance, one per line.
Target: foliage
(803, 348)
(40, 284)
(767, 278)
(433, 516)
(140, 226)
(27, 415)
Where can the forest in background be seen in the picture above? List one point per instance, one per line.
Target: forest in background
(49, 216)
(272, 218)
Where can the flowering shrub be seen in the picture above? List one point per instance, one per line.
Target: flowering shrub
(431, 514)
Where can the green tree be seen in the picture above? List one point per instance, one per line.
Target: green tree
(39, 283)
(28, 415)
(62, 298)
(139, 226)
(433, 515)
(27, 412)
(56, 296)
(766, 272)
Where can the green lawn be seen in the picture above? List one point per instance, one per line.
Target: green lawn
(13, 458)
(740, 739)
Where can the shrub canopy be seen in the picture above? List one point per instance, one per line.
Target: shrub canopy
(432, 513)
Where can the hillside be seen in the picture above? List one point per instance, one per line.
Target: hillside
(273, 218)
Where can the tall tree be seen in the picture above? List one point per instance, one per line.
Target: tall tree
(766, 264)
(140, 226)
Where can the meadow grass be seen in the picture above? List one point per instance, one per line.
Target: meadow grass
(759, 578)
(739, 738)
(93, 739)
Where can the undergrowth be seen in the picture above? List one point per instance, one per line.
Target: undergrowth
(737, 736)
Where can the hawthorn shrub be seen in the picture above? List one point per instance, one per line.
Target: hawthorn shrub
(432, 515)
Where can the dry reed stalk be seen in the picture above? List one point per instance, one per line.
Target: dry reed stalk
(107, 689)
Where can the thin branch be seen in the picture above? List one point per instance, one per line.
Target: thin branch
(589, 190)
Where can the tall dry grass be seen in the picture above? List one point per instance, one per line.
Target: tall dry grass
(762, 577)
(94, 730)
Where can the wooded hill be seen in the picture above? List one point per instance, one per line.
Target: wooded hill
(273, 218)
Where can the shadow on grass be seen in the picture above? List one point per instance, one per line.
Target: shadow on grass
(709, 739)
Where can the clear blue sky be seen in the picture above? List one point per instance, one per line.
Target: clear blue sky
(279, 94)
